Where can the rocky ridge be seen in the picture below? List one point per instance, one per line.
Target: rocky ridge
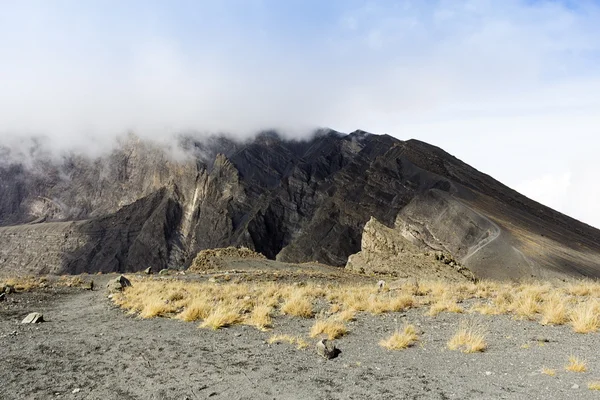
(293, 201)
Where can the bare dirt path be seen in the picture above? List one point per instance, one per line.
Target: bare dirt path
(90, 350)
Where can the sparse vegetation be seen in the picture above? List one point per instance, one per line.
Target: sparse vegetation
(594, 385)
(468, 339)
(332, 328)
(548, 371)
(293, 340)
(576, 365)
(401, 339)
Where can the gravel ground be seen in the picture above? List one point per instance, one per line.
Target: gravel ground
(88, 349)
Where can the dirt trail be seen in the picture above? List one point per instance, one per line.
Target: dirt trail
(89, 345)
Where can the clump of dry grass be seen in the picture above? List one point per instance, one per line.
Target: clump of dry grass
(345, 315)
(260, 317)
(445, 304)
(594, 385)
(585, 317)
(221, 316)
(548, 371)
(468, 339)
(298, 306)
(332, 328)
(554, 311)
(198, 308)
(576, 365)
(401, 339)
(293, 340)
(24, 284)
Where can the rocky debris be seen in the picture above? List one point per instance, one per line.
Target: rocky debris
(118, 284)
(33, 318)
(212, 259)
(148, 271)
(386, 251)
(326, 349)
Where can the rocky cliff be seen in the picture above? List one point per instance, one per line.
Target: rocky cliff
(293, 201)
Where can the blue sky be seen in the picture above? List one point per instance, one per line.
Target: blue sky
(511, 87)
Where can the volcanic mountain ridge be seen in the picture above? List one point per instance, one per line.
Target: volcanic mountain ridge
(294, 201)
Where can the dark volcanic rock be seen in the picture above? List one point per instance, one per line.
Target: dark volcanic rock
(295, 201)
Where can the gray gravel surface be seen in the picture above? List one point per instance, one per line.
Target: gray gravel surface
(88, 349)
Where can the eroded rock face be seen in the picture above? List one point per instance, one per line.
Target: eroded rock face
(387, 251)
(294, 201)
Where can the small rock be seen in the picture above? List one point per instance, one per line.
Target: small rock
(118, 284)
(575, 386)
(148, 271)
(2, 296)
(488, 373)
(164, 272)
(326, 349)
(33, 318)
(8, 289)
(381, 285)
(76, 390)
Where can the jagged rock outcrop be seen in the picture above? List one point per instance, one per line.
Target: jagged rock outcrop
(386, 251)
(294, 201)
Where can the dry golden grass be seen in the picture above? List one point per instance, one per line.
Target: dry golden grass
(24, 284)
(298, 306)
(221, 316)
(548, 371)
(594, 385)
(220, 303)
(401, 339)
(576, 365)
(260, 317)
(468, 339)
(585, 317)
(196, 309)
(554, 311)
(293, 340)
(445, 304)
(332, 328)
(346, 315)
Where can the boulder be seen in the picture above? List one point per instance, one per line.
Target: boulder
(164, 272)
(33, 318)
(327, 349)
(148, 271)
(118, 284)
(2, 296)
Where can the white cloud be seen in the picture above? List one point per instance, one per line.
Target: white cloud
(509, 87)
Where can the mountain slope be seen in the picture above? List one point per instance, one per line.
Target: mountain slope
(295, 201)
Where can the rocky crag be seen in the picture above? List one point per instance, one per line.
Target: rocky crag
(294, 201)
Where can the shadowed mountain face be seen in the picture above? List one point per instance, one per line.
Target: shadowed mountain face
(294, 201)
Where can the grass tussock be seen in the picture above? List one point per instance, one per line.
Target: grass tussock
(576, 365)
(293, 340)
(401, 339)
(298, 306)
(594, 385)
(585, 317)
(221, 316)
(554, 311)
(548, 371)
(468, 339)
(330, 327)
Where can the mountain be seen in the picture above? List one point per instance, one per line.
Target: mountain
(294, 201)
